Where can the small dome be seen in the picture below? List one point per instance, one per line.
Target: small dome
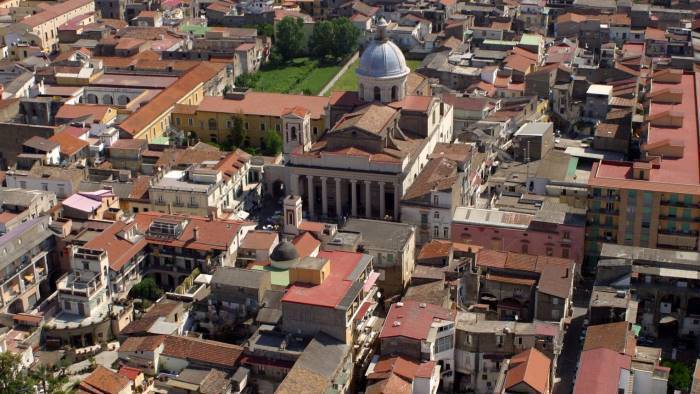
(382, 58)
(284, 251)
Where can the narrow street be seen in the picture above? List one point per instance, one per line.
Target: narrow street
(566, 369)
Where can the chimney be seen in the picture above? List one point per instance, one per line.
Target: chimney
(195, 233)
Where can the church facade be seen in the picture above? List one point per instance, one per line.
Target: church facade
(379, 139)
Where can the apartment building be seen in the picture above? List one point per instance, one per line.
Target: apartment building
(653, 202)
(41, 28)
(24, 264)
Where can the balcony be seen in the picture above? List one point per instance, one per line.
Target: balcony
(80, 283)
(686, 241)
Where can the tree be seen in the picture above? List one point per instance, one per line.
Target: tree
(273, 143)
(346, 37)
(322, 40)
(680, 377)
(247, 80)
(146, 289)
(289, 37)
(238, 133)
(266, 30)
(12, 379)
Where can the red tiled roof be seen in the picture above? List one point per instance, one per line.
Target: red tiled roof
(259, 240)
(165, 100)
(403, 367)
(333, 288)
(413, 320)
(435, 248)
(147, 343)
(104, 381)
(265, 104)
(306, 244)
(130, 373)
(214, 234)
(119, 249)
(70, 145)
(76, 111)
(201, 350)
(530, 367)
(599, 371)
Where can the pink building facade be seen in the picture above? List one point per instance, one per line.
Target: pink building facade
(520, 233)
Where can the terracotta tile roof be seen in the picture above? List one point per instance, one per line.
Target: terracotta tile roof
(305, 244)
(372, 118)
(214, 234)
(654, 34)
(139, 190)
(69, 145)
(232, 163)
(467, 103)
(259, 240)
(414, 103)
(599, 371)
(147, 343)
(438, 175)
(265, 104)
(119, 249)
(403, 367)
(413, 320)
(334, 287)
(530, 367)
(611, 336)
(391, 385)
(215, 353)
(53, 11)
(511, 280)
(82, 111)
(435, 248)
(165, 100)
(104, 381)
(130, 373)
(349, 99)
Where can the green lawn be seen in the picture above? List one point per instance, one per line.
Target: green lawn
(302, 75)
(348, 82)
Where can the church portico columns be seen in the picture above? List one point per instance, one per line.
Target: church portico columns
(324, 196)
(294, 184)
(338, 203)
(368, 199)
(382, 202)
(310, 182)
(353, 196)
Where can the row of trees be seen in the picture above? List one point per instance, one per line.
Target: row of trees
(271, 144)
(330, 40)
(14, 380)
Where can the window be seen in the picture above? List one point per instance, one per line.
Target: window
(436, 215)
(423, 218)
(566, 235)
(66, 304)
(86, 265)
(550, 251)
(444, 343)
(436, 200)
(190, 121)
(555, 301)
(520, 340)
(212, 124)
(436, 231)
(278, 127)
(315, 131)
(177, 121)
(445, 232)
(394, 93)
(377, 94)
(262, 126)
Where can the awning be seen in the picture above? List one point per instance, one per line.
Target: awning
(242, 215)
(371, 280)
(667, 319)
(363, 310)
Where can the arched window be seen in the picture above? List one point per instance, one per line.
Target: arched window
(394, 93)
(107, 99)
(294, 133)
(212, 124)
(377, 94)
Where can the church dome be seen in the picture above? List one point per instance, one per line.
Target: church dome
(284, 255)
(382, 58)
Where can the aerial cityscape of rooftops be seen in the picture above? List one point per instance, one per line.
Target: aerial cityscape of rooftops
(350, 196)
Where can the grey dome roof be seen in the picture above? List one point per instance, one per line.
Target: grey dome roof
(382, 58)
(284, 251)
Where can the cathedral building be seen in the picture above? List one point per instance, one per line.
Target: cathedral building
(378, 141)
